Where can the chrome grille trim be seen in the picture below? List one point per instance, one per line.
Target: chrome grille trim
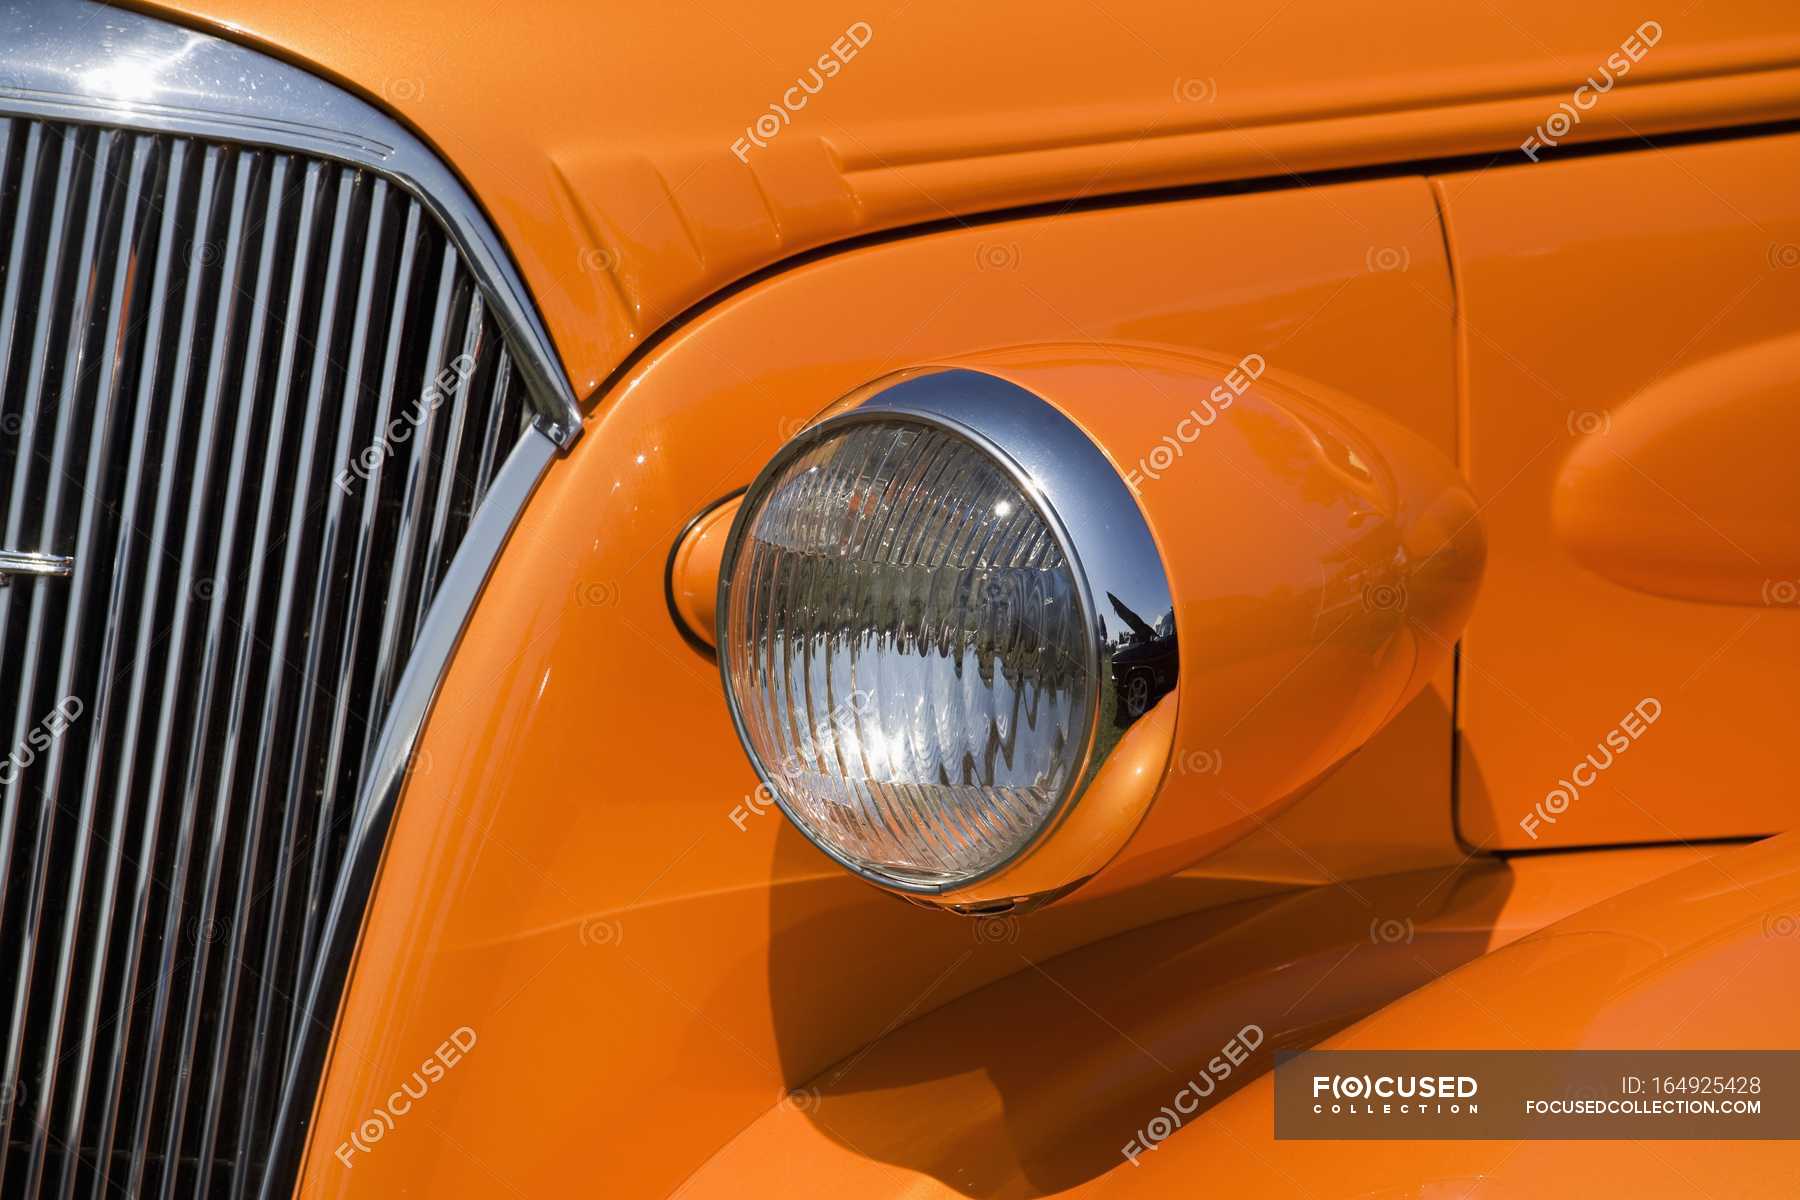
(82, 61)
(212, 298)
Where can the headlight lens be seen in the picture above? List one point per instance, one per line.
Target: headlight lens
(907, 651)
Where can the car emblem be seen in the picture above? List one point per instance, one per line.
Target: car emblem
(14, 562)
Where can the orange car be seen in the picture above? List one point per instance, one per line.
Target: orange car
(919, 601)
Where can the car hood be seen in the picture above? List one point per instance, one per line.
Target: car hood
(618, 150)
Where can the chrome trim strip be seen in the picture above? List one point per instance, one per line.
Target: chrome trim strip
(1086, 505)
(412, 702)
(16, 562)
(82, 61)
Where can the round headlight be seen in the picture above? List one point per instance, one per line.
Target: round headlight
(910, 628)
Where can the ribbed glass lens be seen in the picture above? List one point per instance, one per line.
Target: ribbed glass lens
(904, 644)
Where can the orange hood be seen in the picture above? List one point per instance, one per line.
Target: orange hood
(618, 149)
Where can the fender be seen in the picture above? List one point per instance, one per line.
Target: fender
(1663, 966)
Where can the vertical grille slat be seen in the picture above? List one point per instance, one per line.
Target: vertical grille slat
(411, 495)
(176, 686)
(127, 997)
(295, 844)
(265, 974)
(199, 341)
(204, 931)
(25, 465)
(112, 332)
(233, 930)
(9, 312)
(318, 878)
(124, 559)
(9, 284)
(361, 549)
(29, 924)
(492, 444)
(452, 453)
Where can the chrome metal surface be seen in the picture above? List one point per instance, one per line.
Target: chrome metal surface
(13, 562)
(1087, 506)
(82, 61)
(226, 289)
(438, 638)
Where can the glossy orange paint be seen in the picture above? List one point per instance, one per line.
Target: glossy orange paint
(934, 1111)
(1741, 544)
(583, 873)
(615, 144)
(1629, 329)
(1696, 960)
(694, 569)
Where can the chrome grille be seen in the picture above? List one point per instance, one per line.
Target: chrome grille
(215, 373)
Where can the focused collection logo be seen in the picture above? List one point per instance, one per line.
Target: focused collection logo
(1421, 1095)
(1394, 1095)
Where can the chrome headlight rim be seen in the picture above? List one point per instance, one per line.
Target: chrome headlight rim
(1082, 499)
